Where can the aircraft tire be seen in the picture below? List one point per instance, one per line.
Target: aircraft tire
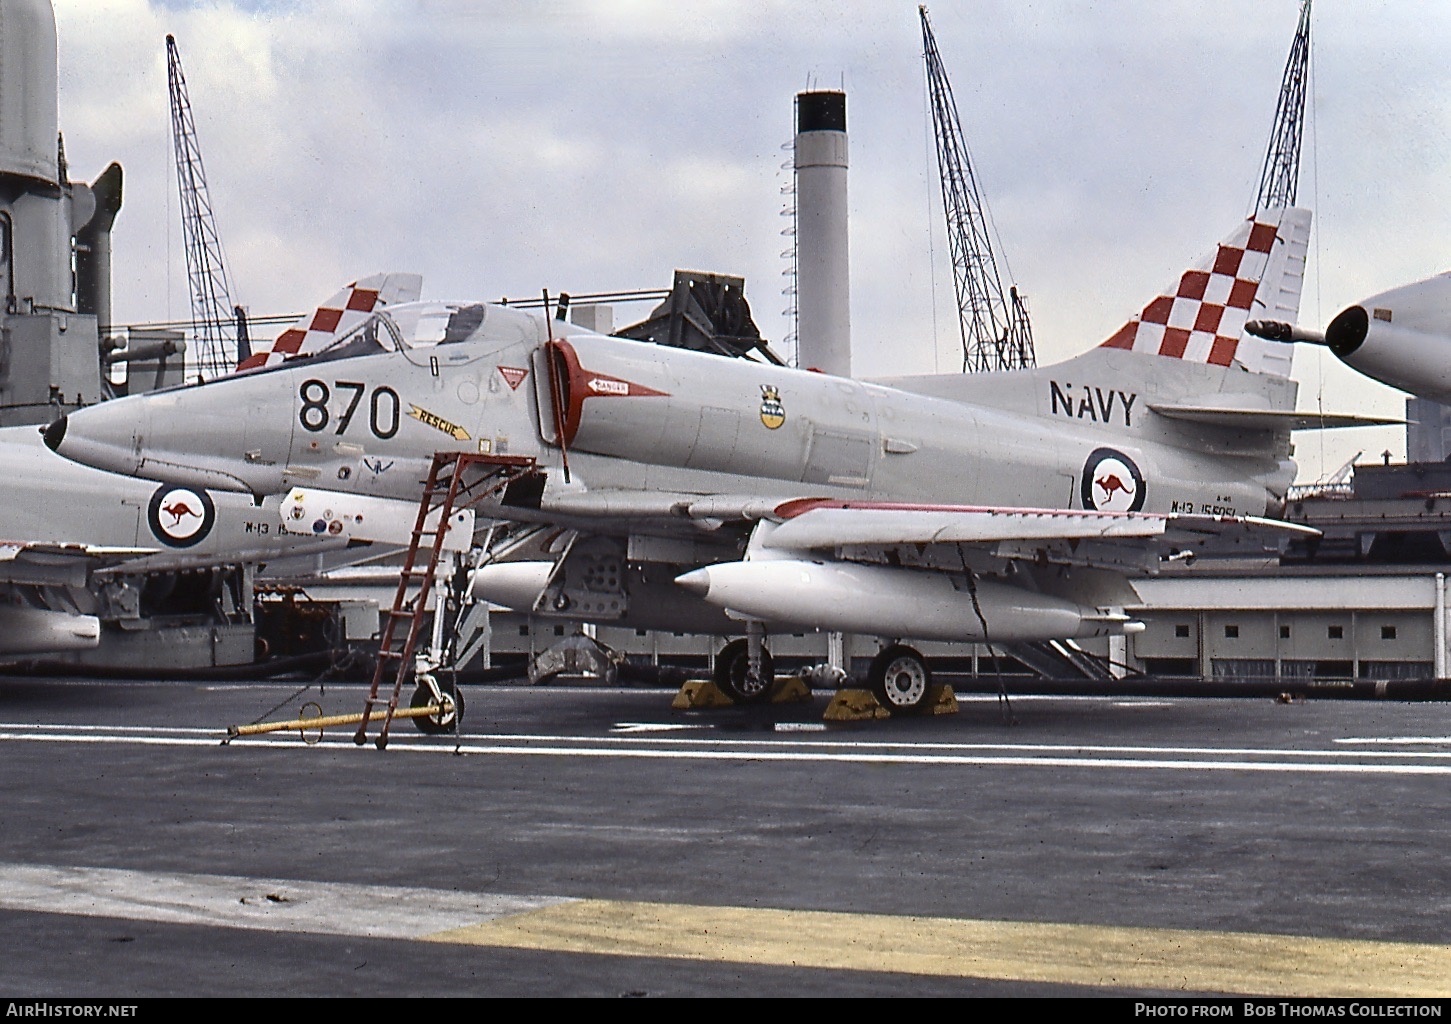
(732, 674)
(449, 714)
(900, 679)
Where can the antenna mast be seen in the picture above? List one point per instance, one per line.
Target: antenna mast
(1281, 175)
(214, 317)
(996, 333)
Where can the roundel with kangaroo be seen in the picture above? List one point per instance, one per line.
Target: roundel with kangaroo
(180, 517)
(1112, 482)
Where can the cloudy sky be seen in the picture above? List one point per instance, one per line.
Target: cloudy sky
(502, 148)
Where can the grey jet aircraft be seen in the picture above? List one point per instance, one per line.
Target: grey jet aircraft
(1400, 337)
(80, 545)
(77, 544)
(672, 489)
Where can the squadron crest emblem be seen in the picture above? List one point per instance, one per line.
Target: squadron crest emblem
(773, 413)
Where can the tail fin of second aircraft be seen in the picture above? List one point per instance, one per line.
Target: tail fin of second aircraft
(1201, 318)
(336, 317)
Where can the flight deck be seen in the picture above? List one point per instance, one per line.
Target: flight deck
(591, 841)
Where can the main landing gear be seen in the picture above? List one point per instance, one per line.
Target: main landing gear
(898, 683)
(900, 679)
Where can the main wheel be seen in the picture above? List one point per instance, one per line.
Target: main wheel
(734, 678)
(450, 709)
(900, 679)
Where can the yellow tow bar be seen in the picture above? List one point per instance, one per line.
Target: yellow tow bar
(319, 721)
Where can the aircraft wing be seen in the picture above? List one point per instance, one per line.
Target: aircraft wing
(1059, 536)
(946, 572)
(877, 567)
(820, 523)
(44, 563)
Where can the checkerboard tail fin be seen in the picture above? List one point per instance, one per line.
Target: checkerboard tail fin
(1260, 267)
(336, 317)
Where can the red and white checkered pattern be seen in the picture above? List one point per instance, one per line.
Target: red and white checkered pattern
(1201, 320)
(336, 317)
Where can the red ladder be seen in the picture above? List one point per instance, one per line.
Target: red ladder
(443, 492)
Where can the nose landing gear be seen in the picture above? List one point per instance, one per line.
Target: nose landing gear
(450, 703)
(738, 679)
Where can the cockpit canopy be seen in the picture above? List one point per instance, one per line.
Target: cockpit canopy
(422, 325)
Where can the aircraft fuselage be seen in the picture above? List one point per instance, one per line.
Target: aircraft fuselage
(636, 418)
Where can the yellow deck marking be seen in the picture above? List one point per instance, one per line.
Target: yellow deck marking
(1134, 958)
(1169, 960)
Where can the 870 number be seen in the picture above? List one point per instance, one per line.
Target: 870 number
(314, 414)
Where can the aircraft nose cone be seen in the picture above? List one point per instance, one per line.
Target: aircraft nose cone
(697, 581)
(55, 434)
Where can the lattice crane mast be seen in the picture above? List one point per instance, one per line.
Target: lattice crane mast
(996, 333)
(1281, 175)
(218, 326)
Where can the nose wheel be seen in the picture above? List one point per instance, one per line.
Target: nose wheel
(450, 708)
(900, 679)
(734, 677)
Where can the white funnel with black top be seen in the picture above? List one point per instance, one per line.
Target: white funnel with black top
(823, 294)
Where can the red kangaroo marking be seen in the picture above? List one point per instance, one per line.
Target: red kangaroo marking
(1110, 484)
(178, 509)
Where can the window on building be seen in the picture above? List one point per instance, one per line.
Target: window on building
(524, 630)
(1388, 632)
(1232, 632)
(1284, 632)
(1397, 670)
(1243, 668)
(1181, 630)
(1336, 632)
(559, 631)
(1298, 669)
